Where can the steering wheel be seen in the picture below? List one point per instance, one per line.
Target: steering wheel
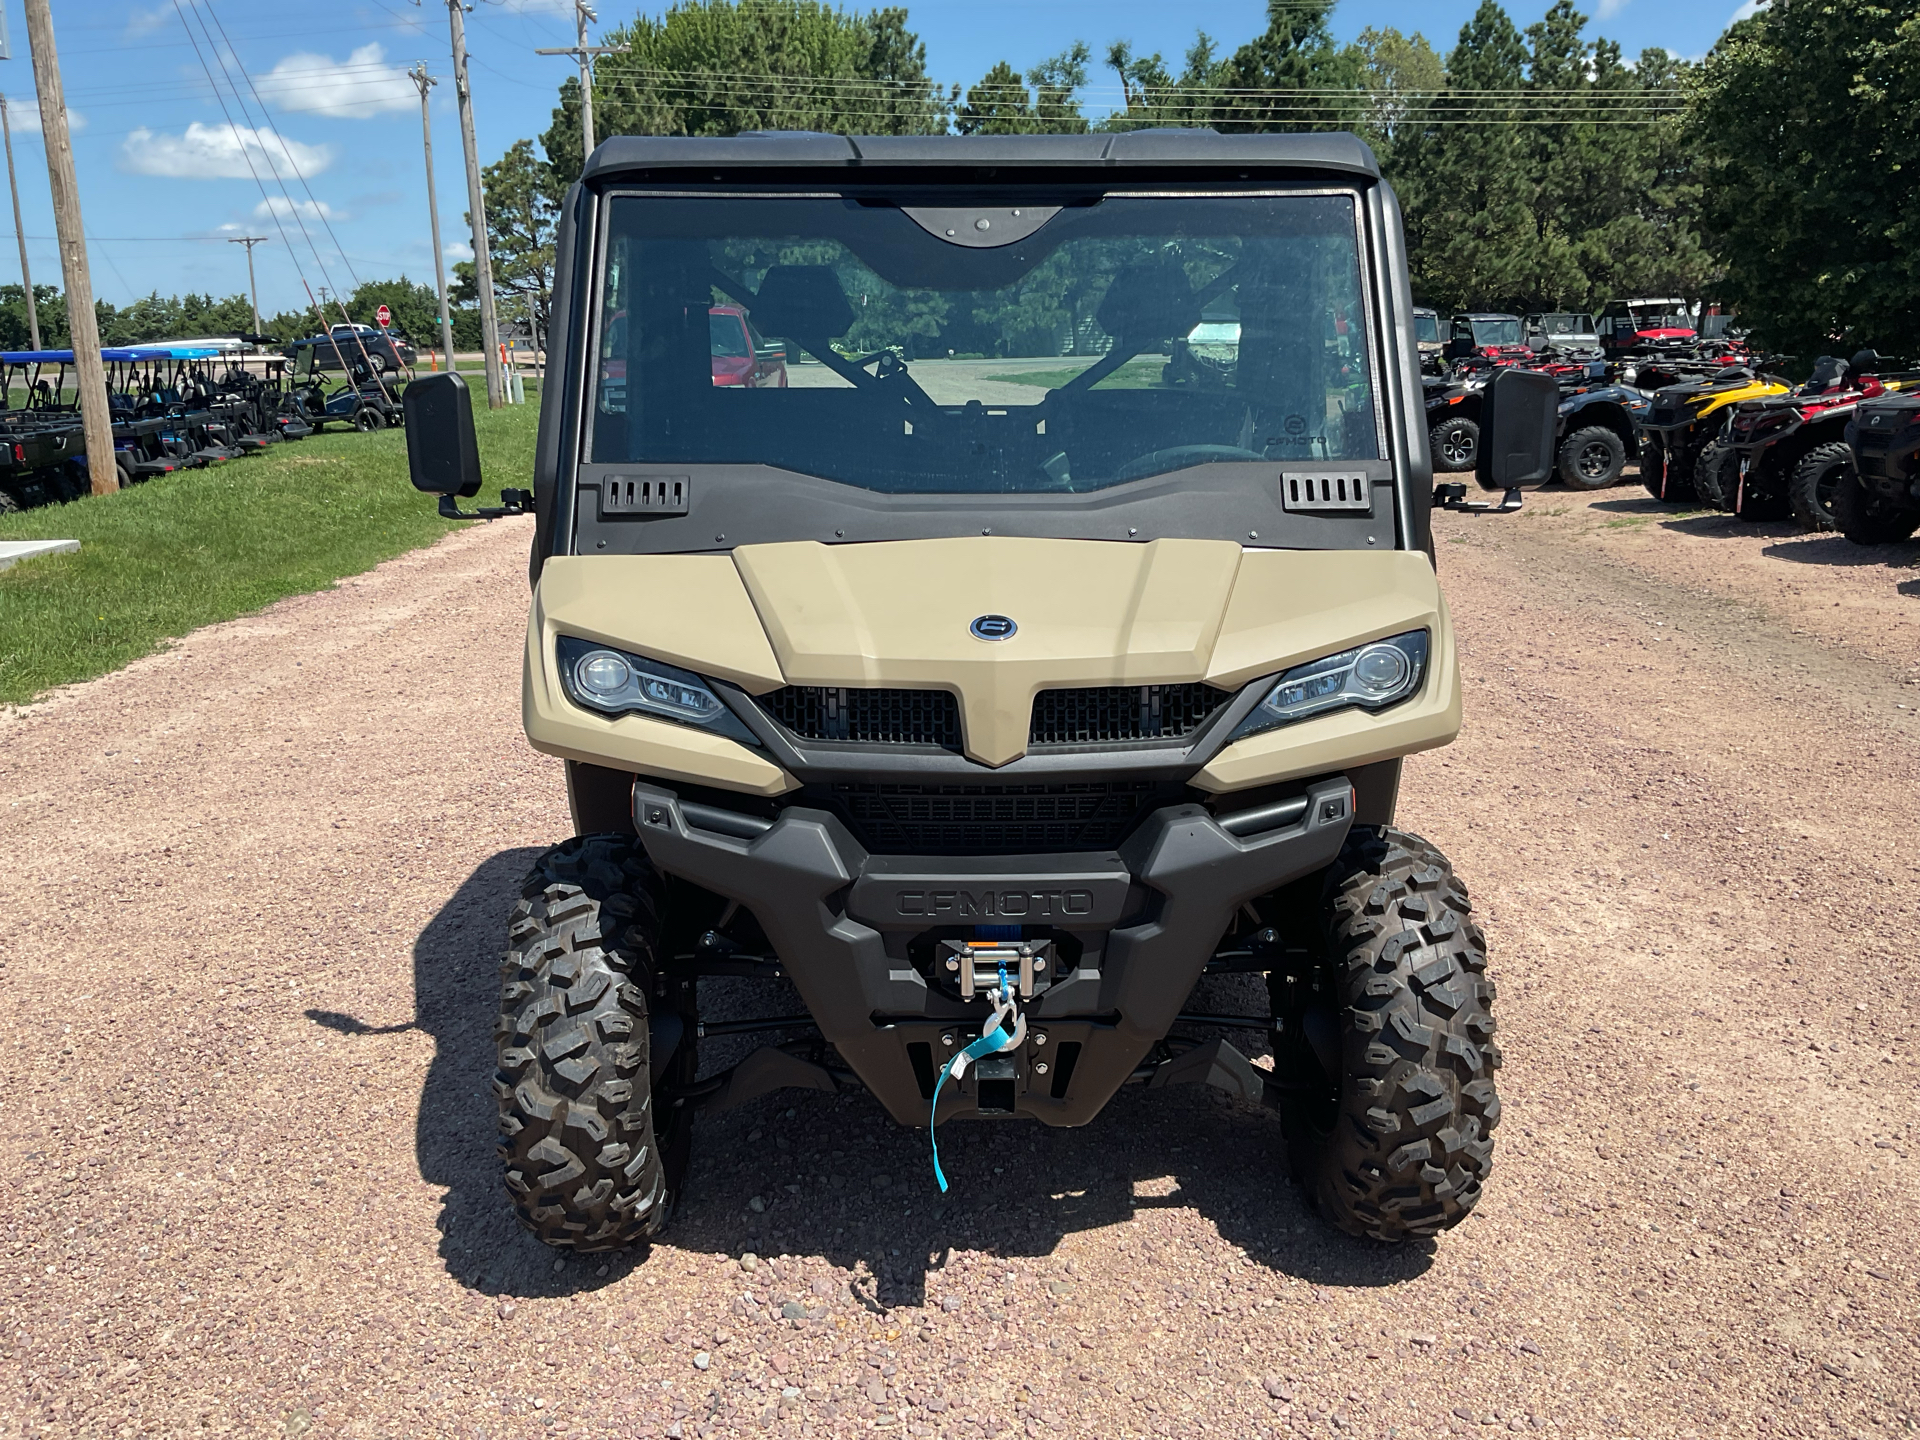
(1178, 457)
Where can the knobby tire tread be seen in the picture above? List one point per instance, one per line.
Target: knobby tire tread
(589, 1164)
(1406, 1149)
(1803, 489)
(1868, 519)
(1716, 474)
(1569, 458)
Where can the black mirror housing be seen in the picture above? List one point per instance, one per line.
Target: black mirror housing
(443, 454)
(1519, 417)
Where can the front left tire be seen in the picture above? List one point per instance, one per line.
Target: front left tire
(1397, 1141)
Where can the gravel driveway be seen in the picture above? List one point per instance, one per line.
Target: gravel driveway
(254, 890)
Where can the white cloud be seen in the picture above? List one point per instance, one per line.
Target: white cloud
(279, 207)
(458, 250)
(23, 114)
(145, 22)
(1746, 11)
(220, 152)
(1607, 9)
(359, 87)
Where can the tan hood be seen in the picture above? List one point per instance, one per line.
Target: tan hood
(1088, 613)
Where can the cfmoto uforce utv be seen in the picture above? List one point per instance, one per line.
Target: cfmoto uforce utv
(982, 680)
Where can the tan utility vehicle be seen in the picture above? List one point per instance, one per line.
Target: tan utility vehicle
(997, 676)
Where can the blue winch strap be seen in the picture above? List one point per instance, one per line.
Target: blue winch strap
(985, 1045)
(991, 1041)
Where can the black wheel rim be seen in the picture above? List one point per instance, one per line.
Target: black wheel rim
(1595, 461)
(1456, 448)
(1827, 488)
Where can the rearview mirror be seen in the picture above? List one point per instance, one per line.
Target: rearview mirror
(1519, 418)
(443, 455)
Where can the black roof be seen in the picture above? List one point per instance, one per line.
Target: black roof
(1144, 149)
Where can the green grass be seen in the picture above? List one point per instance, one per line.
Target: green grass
(199, 546)
(1134, 375)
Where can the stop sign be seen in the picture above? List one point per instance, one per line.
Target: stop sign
(384, 316)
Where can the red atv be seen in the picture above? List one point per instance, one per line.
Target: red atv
(1788, 454)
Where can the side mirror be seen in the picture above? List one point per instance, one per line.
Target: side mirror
(443, 454)
(1519, 421)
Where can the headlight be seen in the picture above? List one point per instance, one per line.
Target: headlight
(1371, 676)
(597, 677)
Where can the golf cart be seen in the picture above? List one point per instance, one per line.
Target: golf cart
(368, 400)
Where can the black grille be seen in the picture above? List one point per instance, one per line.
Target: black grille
(959, 819)
(1121, 712)
(871, 717)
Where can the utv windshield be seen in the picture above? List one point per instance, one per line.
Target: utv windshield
(1426, 329)
(1120, 336)
(1504, 331)
(1559, 325)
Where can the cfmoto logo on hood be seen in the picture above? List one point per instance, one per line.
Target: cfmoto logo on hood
(992, 627)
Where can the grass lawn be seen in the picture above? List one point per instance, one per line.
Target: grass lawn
(188, 549)
(1134, 375)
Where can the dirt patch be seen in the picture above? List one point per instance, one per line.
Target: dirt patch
(257, 883)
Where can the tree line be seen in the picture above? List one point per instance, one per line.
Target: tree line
(1538, 168)
(413, 308)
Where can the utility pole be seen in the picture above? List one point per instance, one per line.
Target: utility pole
(89, 370)
(476, 210)
(425, 82)
(584, 53)
(252, 288)
(13, 184)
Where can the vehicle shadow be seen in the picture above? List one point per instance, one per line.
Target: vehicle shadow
(1636, 504)
(807, 1173)
(1841, 553)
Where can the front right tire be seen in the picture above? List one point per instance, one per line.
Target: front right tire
(1869, 519)
(1592, 458)
(592, 1163)
(1399, 1143)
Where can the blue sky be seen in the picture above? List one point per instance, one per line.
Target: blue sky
(163, 175)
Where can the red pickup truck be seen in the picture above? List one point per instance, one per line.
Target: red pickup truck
(740, 355)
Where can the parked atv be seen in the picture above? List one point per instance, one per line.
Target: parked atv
(992, 726)
(1879, 502)
(1599, 434)
(1683, 421)
(1789, 452)
(1453, 421)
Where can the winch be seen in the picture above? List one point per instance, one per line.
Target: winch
(978, 965)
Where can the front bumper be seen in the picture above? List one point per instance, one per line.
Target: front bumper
(1141, 922)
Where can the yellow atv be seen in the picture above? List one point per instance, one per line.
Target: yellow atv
(982, 682)
(1685, 457)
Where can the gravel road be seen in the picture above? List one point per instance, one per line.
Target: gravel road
(254, 890)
